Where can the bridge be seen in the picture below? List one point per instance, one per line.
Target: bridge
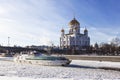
(6, 49)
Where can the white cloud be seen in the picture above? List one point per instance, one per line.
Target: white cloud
(29, 23)
(101, 34)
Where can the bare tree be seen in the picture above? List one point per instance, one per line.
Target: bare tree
(96, 46)
(115, 42)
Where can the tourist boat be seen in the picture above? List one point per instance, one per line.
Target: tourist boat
(41, 59)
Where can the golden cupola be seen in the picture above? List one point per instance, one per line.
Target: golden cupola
(74, 22)
(62, 30)
(85, 30)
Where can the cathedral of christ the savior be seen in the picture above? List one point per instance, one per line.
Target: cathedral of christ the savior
(74, 39)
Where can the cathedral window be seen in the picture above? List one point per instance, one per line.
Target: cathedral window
(64, 42)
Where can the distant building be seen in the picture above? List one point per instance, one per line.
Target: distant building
(74, 39)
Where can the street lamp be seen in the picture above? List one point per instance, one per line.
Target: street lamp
(8, 41)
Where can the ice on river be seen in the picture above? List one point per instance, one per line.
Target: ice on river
(77, 70)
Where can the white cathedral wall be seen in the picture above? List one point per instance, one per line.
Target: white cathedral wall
(70, 41)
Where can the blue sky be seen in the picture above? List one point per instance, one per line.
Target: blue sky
(38, 22)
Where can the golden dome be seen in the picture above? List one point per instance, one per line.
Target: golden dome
(62, 30)
(85, 30)
(73, 22)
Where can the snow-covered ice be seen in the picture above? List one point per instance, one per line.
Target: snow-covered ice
(97, 64)
(77, 70)
(27, 78)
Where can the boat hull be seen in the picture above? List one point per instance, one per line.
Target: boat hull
(44, 62)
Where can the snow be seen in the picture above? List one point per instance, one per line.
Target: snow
(26, 78)
(77, 70)
(97, 64)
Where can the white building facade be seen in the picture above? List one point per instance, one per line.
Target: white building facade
(74, 39)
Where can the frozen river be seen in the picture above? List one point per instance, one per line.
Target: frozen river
(75, 71)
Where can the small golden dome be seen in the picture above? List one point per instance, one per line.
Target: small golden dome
(73, 22)
(62, 30)
(85, 30)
